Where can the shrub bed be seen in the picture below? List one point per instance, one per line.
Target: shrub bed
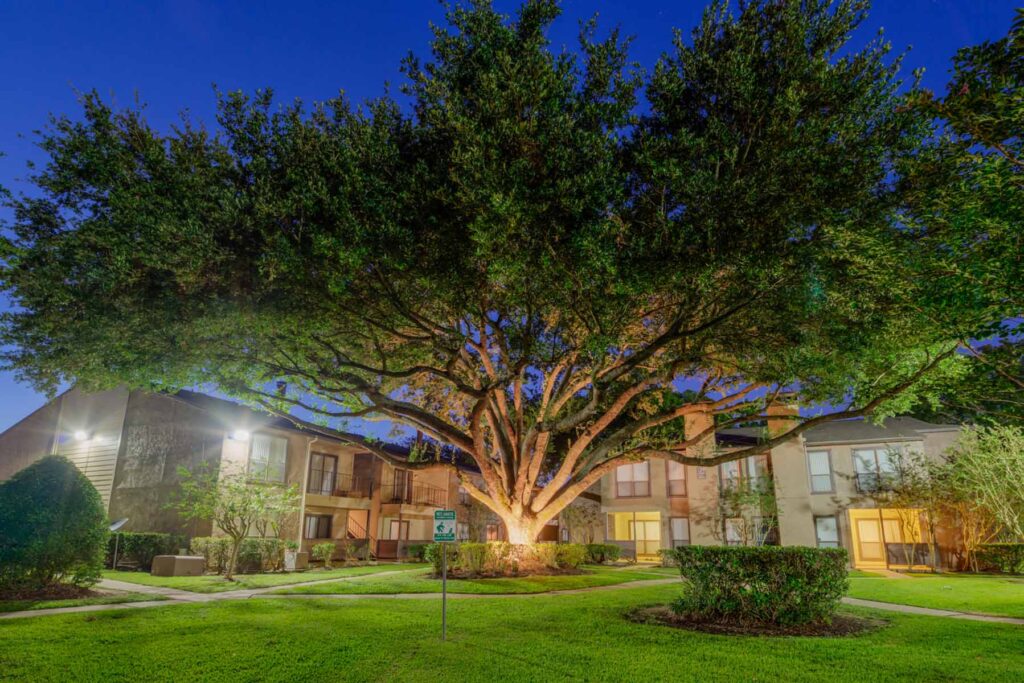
(254, 555)
(1003, 557)
(766, 585)
(140, 547)
(599, 553)
(505, 559)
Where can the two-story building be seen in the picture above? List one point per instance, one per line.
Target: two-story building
(828, 491)
(131, 444)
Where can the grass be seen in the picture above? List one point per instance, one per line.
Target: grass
(19, 605)
(422, 581)
(998, 595)
(558, 638)
(217, 584)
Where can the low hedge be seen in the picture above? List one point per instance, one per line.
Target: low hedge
(599, 553)
(762, 584)
(499, 558)
(1004, 557)
(141, 547)
(254, 555)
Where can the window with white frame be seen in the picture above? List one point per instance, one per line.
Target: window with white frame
(734, 531)
(875, 468)
(676, 478)
(462, 529)
(268, 456)
(633, 480)
(463, 496)
(826, 530)
(820, 466)
(680, 528)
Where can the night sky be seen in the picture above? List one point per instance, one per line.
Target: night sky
(169, 54)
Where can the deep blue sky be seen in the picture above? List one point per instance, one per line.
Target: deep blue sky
(168, 53)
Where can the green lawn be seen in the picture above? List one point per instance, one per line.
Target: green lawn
(570, 637)
(1003, 596)
(19, 605)
(422, 581)
(217, 584)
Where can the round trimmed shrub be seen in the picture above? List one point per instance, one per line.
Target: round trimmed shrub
(53, 527)
(763, 584)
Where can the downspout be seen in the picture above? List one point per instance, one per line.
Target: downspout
(305, 485)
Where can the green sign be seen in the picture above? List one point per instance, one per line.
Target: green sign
(444, 526)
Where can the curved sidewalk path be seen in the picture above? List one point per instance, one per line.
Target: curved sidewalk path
(173, 596)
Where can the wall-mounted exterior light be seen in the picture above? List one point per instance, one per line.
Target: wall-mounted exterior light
(81, 435)
(240, 435)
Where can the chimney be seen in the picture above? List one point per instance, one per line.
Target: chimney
(781, 416)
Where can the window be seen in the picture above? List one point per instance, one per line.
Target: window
(267, 457)
(463, 496)
(398, 531)
(820, 466)
(493, 532)
(826, 530)
(563, 534)
(322, 472)
(730, 473)
(633, 480)
(680, 528)
(875, 468)
(734, 531)
(676, 478)
(462, 531)
(317, 526)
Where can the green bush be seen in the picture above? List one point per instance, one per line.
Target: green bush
(53, 527)
(1004, 557)
(323, 552)
(668, 558)
(472, 558)
(433, 555)
(418, 551)
(215, 549)
(599, 553)
(502, 559)
(761, 584)
(140, 547)
(571, 555)
(260, 554)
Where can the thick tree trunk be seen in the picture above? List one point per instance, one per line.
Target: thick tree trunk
(521, 531)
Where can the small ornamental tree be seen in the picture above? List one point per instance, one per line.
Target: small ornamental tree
(524, 263)
(987, 466)
(53, 527)
(235, 505)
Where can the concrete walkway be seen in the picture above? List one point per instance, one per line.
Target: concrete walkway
(173, 596)
(930, 612)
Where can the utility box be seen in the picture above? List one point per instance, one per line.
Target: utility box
(178, 565)
(295, 561)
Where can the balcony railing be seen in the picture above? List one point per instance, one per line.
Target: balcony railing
(417, 494)
(328, 483)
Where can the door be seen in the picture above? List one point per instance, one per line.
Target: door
(647, 534)
(869, 540)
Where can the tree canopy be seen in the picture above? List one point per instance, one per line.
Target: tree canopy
(520, 257)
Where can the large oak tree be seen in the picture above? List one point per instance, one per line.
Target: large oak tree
(518, 257)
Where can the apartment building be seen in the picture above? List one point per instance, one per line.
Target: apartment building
(130, 444)
(829, 491)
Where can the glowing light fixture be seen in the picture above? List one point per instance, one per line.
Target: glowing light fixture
(81, 435)
(240, 435)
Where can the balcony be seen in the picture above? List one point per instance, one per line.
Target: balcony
(416, 494)
(328, 483)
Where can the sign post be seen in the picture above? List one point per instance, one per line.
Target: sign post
(444, 533)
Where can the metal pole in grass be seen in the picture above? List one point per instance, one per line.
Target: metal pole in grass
(444, 591)
(117, 538)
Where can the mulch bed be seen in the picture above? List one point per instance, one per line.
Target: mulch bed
(841, 625)
(57, 592)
